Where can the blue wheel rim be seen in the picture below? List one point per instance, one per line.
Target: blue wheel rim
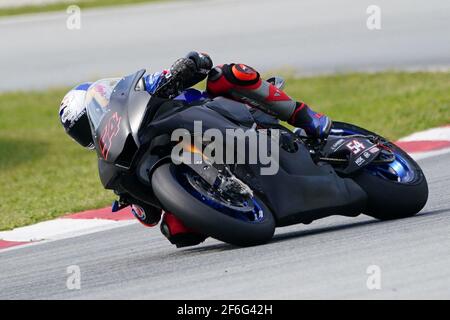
(253, 213)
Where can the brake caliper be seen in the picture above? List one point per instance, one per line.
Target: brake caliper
(232, 185)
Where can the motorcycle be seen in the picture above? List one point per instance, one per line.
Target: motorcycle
(354, 171)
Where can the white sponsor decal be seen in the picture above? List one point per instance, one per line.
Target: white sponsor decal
(355, 146)
(67, 115)
(337, 144)
(374, 150)
(360, 161)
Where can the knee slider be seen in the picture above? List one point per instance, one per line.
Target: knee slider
(244, 73)
(236, 74)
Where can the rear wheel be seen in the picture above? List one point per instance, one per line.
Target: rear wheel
(242, 222)
(395, 190)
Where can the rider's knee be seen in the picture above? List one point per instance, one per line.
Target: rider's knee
(224, 78)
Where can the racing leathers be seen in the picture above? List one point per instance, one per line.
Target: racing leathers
(239, 82)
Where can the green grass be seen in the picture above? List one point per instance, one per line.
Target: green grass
(44, 174)
(392, 104)
(83, 4)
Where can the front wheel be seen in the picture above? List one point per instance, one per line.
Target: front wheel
(242, 222)
(395, 190)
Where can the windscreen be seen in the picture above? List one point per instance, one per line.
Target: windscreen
(97, 99)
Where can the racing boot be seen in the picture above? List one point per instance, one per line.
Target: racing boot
(177, 233)
(316, 125)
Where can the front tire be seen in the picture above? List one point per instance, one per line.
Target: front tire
(205, 219)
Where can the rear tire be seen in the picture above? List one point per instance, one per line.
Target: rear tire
(205, 219)
(388, 200)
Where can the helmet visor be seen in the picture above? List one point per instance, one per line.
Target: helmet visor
(81, 132)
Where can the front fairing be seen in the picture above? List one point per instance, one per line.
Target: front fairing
(115, 125)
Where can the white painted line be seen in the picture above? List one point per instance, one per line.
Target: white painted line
(435, 134)
(60, 229)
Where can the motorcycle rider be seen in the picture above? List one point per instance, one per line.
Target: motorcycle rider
(236, 81)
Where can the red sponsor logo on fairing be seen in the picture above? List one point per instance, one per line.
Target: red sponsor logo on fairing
(109, 132)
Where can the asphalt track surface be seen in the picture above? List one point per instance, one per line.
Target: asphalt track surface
(312, 37)
(326, 259)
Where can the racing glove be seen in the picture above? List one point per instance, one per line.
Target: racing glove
(184, 73)
(203, 64)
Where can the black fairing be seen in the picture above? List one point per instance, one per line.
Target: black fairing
(116, 138)
(232, 110)
(301, 191)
